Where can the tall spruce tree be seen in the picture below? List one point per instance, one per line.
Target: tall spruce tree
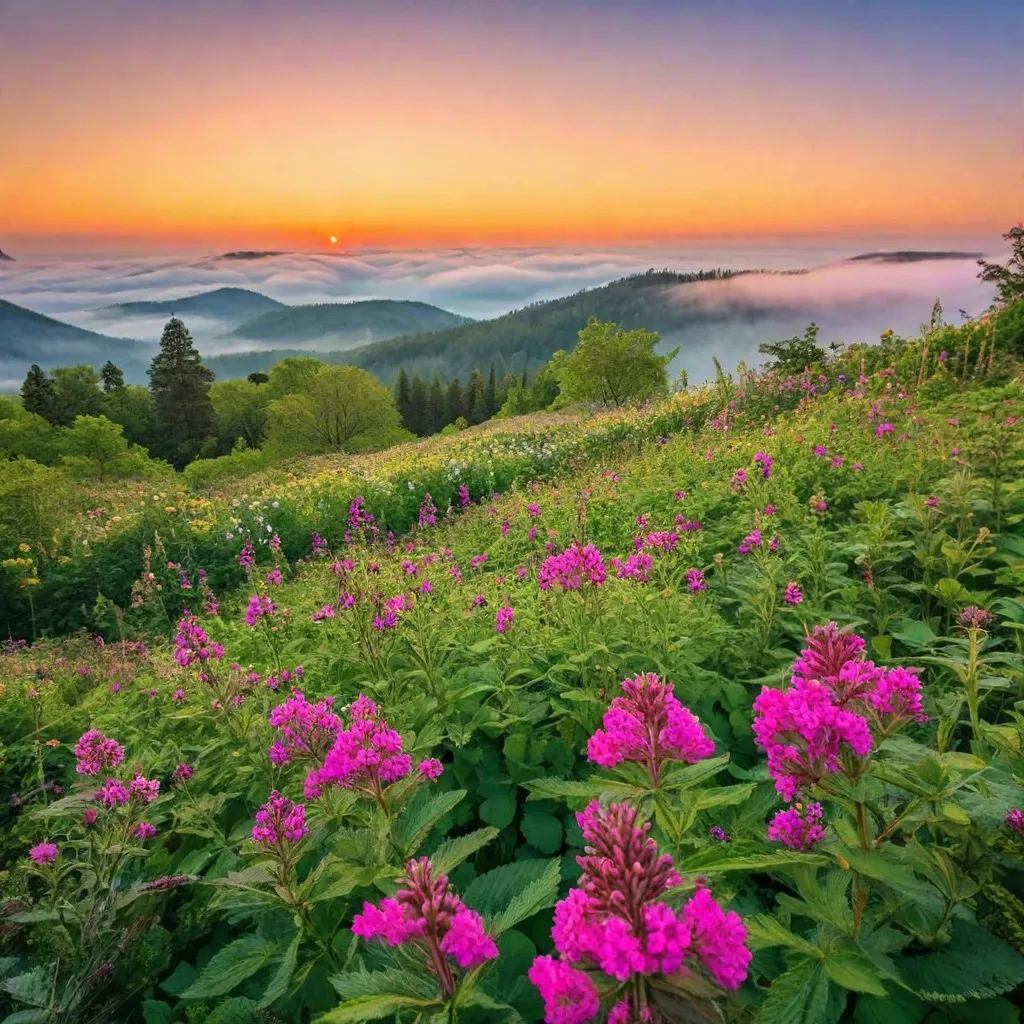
(37, 393)
(453, 401)
(473, 398)
(417, 421)
(111, 377)
(491, 403)
(435, 406)
(180, 385)
(402, 397)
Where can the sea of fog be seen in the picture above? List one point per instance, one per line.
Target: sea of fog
(851, 301)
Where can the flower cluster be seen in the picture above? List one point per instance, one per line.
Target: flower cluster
(429, 914)
(96, 753)
(279, 822)
(650, 726)
(798, 826)
(260, 605)
(504, 619)
(304, 730)
(614, 920)
(191, 644)
(573, 568)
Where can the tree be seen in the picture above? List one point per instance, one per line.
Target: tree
(37, 393)
(473, 398)
(94, 446)
(345, 409)
(1009, 280)
(76, 392)
(111, 377)
(796, 354)
(453, 401)
(258, 377)
(403, 398)
(416, 420)
(240, 408)
(612, 366)
(491, 404)
(133, 407)
(293, 375)
(435, 406)
(25, 433)
(180, 384)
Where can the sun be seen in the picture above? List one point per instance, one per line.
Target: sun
(334, 240)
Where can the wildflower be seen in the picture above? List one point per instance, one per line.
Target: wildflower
(319, 545)
(167, 883)
(327, 612)
(932, 502)
(273, 578)
(752, 540)
(898, 693)
(89, 817)
(974, 617)
(430, 768)
(144, 830)
(463, 494)
(696, 581)
(820, 450)
(574, 567)
(305, 731)
(191, 644)
(428, 511)
(426, 587)
(798, 827)
(570, 995)
(504, 619)
(260, 606)
(43, 853)
(145, 789)
(477, 560)
(884, 428)
(247, 556)
(279, 822)
(1015, 819)
(765, 461)
(182, 773)
(793, 594)
(533, 510)
(428, 913)
(718, 833)
(112, 793)
(97, 753)
(739, 478)
(650, 726)
(636, 567)
(679, 495)
(178, 696)
(275, 542)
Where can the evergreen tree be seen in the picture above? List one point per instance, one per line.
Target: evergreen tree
(473, 398)
(403, 398)
(435, 406)
(507, 386)
(111, 377)
(180, 384)
(258, 377)
(417, 421)
(491, 403)
(453, 401)
(37, 393)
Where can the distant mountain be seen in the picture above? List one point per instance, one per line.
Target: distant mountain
(248, 254)
(231, 305)
(346, 325)
(4, 256)
(914, 256)
(27, 337)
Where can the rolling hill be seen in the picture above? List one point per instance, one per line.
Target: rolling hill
(345, 324)
(231, 305)
(27, 337)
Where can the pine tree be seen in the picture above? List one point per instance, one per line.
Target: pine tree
(472, 398)
(491, 405)
(112, 378)
(435, 406)
(180, 384)
(417, 421)
(453, 401)
(37, 393)
(403, 397)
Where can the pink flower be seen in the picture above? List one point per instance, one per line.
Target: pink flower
(144, 830)
(279, 822)
(650, 726)
(260, 605)
(1015, 819)
(89, 817)
(695, 580)
(43, 853)
(178, 696)
(273, 578)
(504, 619)
(97, 753)
(430, 768)
(147, 790)
(305, 731)
(898, 693)
(798, 827)
(793, 594)
(247, 556)
(573, 568)
(113, 793)
(466, 942)
(570, 996)
(182, 773)
(720, 939)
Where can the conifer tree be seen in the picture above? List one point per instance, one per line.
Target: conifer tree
(491, 404)
(180, 385)
(472, 398)
(453, 401)
(417, 421)
(403, 397)
(112, 378)
(435, 406)
(37, 393)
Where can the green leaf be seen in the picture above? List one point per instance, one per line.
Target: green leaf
(278, 984)
(724, 796)
(370, 995)
(899, 1007)
(800, 996)
(230, 966)
(542, 830)
(974, 965)
(451, 853)
(854, 971)
(422, 814)
(156, 1011)
(747, 856)
(884, 869)
(496, 890)
(537, 895)
(33, 987)
(235, 1011)
(914, 633)
(180, 979)
(27, 1017)
(499, 810)
(764, 931)
(372, 1008)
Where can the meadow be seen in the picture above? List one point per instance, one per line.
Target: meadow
(707, 710)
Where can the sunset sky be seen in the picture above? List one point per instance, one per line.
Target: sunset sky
(140, 126)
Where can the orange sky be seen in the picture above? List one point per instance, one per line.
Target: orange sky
(263, 125)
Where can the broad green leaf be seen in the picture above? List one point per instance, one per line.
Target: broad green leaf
(538, 895)
(182, 976)
(27, 1017)
(235, 1011)
(800, 996)
(451, 853)
(362, 984)
(724, 796)
(156, 1011)
(33, 987)
(495, 891)
(853, 970)
(499, 810)
(422, 814)
(278, 984)
(542, 830)
(373, 1008)
(914, 633)
(898, 1007)
(746, 856)
(230, 966)
(764, 931)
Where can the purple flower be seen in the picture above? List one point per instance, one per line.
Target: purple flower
(247, 556)
(798, 827)
(260, 605)
(793, 594)
(45, 853)
(504, 619)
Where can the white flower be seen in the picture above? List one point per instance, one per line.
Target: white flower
(229, 535)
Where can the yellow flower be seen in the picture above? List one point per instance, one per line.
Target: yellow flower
(24, 547)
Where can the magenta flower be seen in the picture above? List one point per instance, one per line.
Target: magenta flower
(798, 827)
(696, 581)
(793, 594)
(247, 556)
(327, 612)
(636, 567)
(182, 773)
(504, 619)
(463, 494)
(113, 793)
(320, 549)
(897, 693)
(573, 568)
(178, 696)
(146, 790)
(430, 768)
(426, 587)
(533, 510)
(974, 617)
(1015, 819)
(427, 913)
(144, 830)
(96, 753)
(650, 726)
(570, 995)
(273, 578)
(884, 428)
(305, 731)
(191, 644)
(260, 605)
(43, 853)
(279, 822)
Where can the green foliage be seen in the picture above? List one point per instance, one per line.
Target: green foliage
(1008, 279)
(614, 367)
(240, 408)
